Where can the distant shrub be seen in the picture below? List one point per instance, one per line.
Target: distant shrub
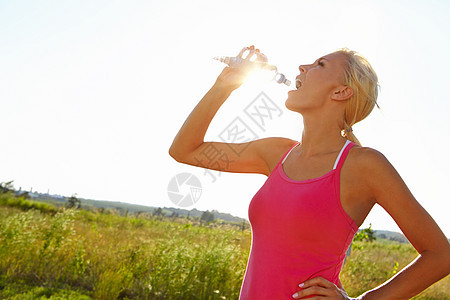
(8, 199)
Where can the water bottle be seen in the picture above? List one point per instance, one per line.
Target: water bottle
(253, 59)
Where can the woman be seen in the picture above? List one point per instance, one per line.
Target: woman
(319, 191)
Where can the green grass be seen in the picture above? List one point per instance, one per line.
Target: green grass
(371, 264)
(49, 253)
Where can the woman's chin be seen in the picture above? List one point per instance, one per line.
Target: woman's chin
(292, 106)
(289, 105)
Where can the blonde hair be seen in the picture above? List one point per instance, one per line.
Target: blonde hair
(361, 77)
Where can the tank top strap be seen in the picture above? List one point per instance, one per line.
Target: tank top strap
(287, 153)
(342, 155)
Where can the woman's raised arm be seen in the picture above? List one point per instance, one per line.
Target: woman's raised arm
(260, 156)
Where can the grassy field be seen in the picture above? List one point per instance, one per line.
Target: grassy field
(49, 253)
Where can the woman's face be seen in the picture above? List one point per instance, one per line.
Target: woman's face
(317, 82)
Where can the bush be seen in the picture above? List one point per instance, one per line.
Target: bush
(7, 199)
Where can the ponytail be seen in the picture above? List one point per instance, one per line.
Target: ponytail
(362, 79)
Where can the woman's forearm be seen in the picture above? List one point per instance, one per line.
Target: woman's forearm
(425, 270)
(192, 133)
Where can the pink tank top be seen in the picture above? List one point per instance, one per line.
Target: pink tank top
(299, 231)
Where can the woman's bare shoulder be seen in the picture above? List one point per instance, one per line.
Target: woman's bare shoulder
(367, 155)
(368, 162)
(272, 149)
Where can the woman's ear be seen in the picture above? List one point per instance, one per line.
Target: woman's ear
(342, 93)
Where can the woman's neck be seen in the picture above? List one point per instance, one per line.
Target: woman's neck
(320, 136)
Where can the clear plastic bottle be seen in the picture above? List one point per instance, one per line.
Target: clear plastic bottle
(256, 60)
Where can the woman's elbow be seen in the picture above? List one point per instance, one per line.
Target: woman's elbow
(442, 259)
(178, 154)
(174, 154)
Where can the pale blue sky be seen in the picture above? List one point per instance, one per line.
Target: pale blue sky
(93, 92)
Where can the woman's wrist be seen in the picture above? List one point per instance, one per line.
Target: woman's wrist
(221, 90)
(224, 87)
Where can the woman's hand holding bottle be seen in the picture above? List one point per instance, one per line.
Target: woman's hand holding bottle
(234, 76)
(247, 61)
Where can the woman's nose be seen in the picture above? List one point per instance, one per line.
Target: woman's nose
(302, 68)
